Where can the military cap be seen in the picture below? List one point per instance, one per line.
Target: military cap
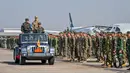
(26, 19)
(128, 32)
(119, 32)
(36, 17)
(113, 32)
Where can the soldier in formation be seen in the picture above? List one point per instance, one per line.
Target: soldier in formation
(128, 47)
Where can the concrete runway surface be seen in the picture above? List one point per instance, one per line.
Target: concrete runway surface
(7, 65)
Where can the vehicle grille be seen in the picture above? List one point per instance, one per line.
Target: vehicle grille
(33, 48)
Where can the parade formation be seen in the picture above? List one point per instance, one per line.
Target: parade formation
(110, 48)
(113, 49)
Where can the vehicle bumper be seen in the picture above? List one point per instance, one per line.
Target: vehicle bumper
(38, 56)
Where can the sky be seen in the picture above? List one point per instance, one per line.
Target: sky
(54, 14)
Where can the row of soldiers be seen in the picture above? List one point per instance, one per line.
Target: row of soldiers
(73, 46)
(81, 46)
(9, 42)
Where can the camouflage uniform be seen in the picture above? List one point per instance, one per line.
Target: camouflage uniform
(61, 44)
(114, 46)
(93, 46)
(128, 48)
(26, 28)
(40, 30)
(69, 46)
(119, 47)
(97, 48)
(109, 56)
(86, 48)
(55, 44)
(81, 50)
(35, 24)
(89, 46)
(124, 50)
(100, 48)
(78, 47)
(72, 47)
(66, 43)
(104, 45)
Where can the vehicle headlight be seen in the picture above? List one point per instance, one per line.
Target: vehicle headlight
(52, 50)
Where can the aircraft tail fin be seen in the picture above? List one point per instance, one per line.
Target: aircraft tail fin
(71, 22)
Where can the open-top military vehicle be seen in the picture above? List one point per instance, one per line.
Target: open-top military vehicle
(33, 46)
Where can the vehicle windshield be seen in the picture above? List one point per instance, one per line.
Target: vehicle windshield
(109, 28)
(32, 38)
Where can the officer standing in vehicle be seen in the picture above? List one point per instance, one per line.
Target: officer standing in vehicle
(26, 27)
(35, 24)
(40, 29)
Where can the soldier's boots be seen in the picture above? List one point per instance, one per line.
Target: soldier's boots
(109, 66)
(101, 61)
(124, 65)
(104, 65)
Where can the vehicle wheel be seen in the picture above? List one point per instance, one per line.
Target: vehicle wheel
(51, 61)
(116, 62)
(14, 57)
(43, 61)
(16, 61)
(22, 60)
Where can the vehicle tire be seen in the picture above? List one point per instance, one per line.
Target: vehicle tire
(51, 61)
(16, 61)
(116, 62)
(43, 61)
(22, 60)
